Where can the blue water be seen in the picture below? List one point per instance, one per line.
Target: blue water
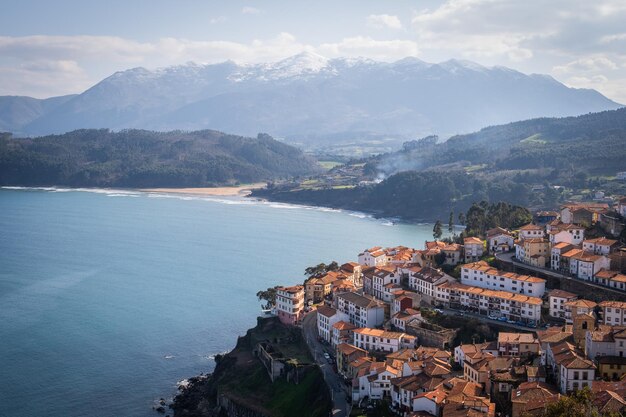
(108, 299)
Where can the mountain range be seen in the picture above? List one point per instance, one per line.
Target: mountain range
(306, 98)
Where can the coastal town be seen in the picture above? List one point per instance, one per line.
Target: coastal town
(401, 331)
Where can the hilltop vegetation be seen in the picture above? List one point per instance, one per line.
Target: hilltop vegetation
(535, 163)
(592, 143)
(141, 158)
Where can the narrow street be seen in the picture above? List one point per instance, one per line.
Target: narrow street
(337, 388)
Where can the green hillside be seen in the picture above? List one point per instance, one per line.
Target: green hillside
(140, 158)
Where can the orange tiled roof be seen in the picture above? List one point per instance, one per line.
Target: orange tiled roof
(504, 337)
(580, 304)
(531, 226)
(343, 325)
(505, 295)
(472, 240)
(614, 304)
(602, 241)
(489, 270)
(561, 294)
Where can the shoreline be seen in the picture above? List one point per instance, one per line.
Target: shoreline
(232, 191)
(241, 190)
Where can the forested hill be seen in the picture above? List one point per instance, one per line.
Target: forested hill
(536, 163)
(594, 143)
(141, 158)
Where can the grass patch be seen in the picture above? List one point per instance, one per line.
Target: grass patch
(328, 165)
(474, 168)
(245, 379)
(534, 140)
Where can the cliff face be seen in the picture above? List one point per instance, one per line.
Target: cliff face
(241, 387)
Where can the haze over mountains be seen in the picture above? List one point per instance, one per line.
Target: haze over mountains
(307, 98)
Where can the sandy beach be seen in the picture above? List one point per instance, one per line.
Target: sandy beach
(241, 190)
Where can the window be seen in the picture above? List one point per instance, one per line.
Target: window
(576, 375)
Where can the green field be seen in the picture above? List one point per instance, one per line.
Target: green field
(328, 165)
(534, 140)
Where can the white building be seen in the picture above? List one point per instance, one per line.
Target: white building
(375, 279)
(575, 307)
(531, 231)
(585, 265)
(373, 257)
(599, 246)
(576, 373)
(570, 367)
(605, 341)
(499, 240)
(612, 279)
(326, 318)
(481, 274)
(341, 332)
(614, 313)
(373, 382)
(568, 233)
(557, 300)
(382, 340)
(621, 206)
(513, 306)
(473, 249)
(362, 311)
(401, 318)
(555, 256)
(423, 281)
(290, 304)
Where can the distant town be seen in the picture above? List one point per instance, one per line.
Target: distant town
(507, 323)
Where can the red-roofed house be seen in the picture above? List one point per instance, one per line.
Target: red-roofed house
(341, 332)
(473, 248)
(499, 240)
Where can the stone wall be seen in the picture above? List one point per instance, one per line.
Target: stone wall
(430, 334)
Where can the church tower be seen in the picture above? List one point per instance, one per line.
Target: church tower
(583, 323)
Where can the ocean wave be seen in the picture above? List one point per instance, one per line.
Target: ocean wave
(235, 200)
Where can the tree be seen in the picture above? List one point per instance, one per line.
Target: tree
(320, 269)
(451, 222)
(577, 404)
(462, 218)
(437, 230)
(269, 296)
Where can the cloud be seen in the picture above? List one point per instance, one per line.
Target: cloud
(43, 78)
(218, 19)
(250, 10)
(361, 46)
(519, 30)
(380, 21)
(598, 63)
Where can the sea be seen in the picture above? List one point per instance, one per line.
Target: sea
(109, 298)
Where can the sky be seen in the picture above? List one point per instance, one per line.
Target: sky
(50, 48)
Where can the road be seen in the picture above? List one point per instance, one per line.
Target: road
(451, 312)
(508, 257)
(333, 380)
